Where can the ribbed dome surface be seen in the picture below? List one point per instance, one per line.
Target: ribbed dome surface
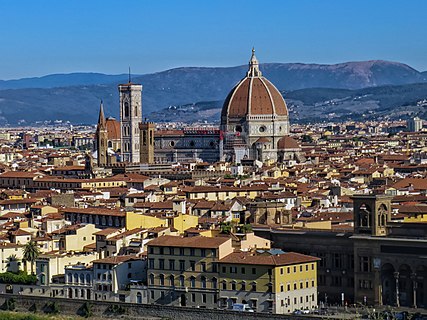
(253, 95)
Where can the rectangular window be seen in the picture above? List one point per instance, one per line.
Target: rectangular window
(203, 266)
(253, 270)
(181, 265)
(192, 252)
(181, 251)
(161, 250)
(243, 270)
(203, 298)
(203, 252)
(282, 288)
(193, 265)
(171, 251)
(233, 269)
(337, 260)
(151, 263)
(162, 264)
(365, 264)
(193, 297)
(224, 269)
(171, 264)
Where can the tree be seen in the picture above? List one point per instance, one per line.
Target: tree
(246, 228)
(226, 228)
(31, 253)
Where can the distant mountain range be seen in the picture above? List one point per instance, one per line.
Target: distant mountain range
(75, 97)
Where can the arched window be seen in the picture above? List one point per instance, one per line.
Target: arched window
(382, 215)
(365, 216)
(70, 278)
(162, 279)
(76, 278)
(172, 280)
(203, 280)
(139, 297)
(88, 279)
(214, 283)
(224, 285)
(181, 281)
(82, 278)
(192, 282)
(126, 107)
(151, 278)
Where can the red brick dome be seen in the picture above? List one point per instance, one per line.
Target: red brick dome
(254, 95)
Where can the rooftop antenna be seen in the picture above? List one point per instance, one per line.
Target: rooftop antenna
(129, 75)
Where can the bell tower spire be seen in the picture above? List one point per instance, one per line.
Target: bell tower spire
(254, 66)
(101, 117)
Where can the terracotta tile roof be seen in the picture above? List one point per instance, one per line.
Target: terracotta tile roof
(283, 259)
(19, 174)
(116, 259)
(416, 183)
(126, 234)
(20, 232)
(106, 232)
(189, 242)
(95, 211)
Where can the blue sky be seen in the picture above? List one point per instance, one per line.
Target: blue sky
(59, 36)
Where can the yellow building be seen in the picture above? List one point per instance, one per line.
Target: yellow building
(269, 281)
(75, 237)
(224, 193)
(183, 271)
(180, 222)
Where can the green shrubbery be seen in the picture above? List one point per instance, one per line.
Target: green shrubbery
(8, 305)
(115, 309)
(51, 308)
(85, 310)
(17, 278)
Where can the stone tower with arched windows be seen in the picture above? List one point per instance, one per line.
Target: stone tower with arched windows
(147, 142)
(130, 117)
(371, 214)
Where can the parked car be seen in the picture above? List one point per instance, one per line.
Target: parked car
(242, 307)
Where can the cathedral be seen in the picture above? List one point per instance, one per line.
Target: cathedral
(255, 120)
(254, 125)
